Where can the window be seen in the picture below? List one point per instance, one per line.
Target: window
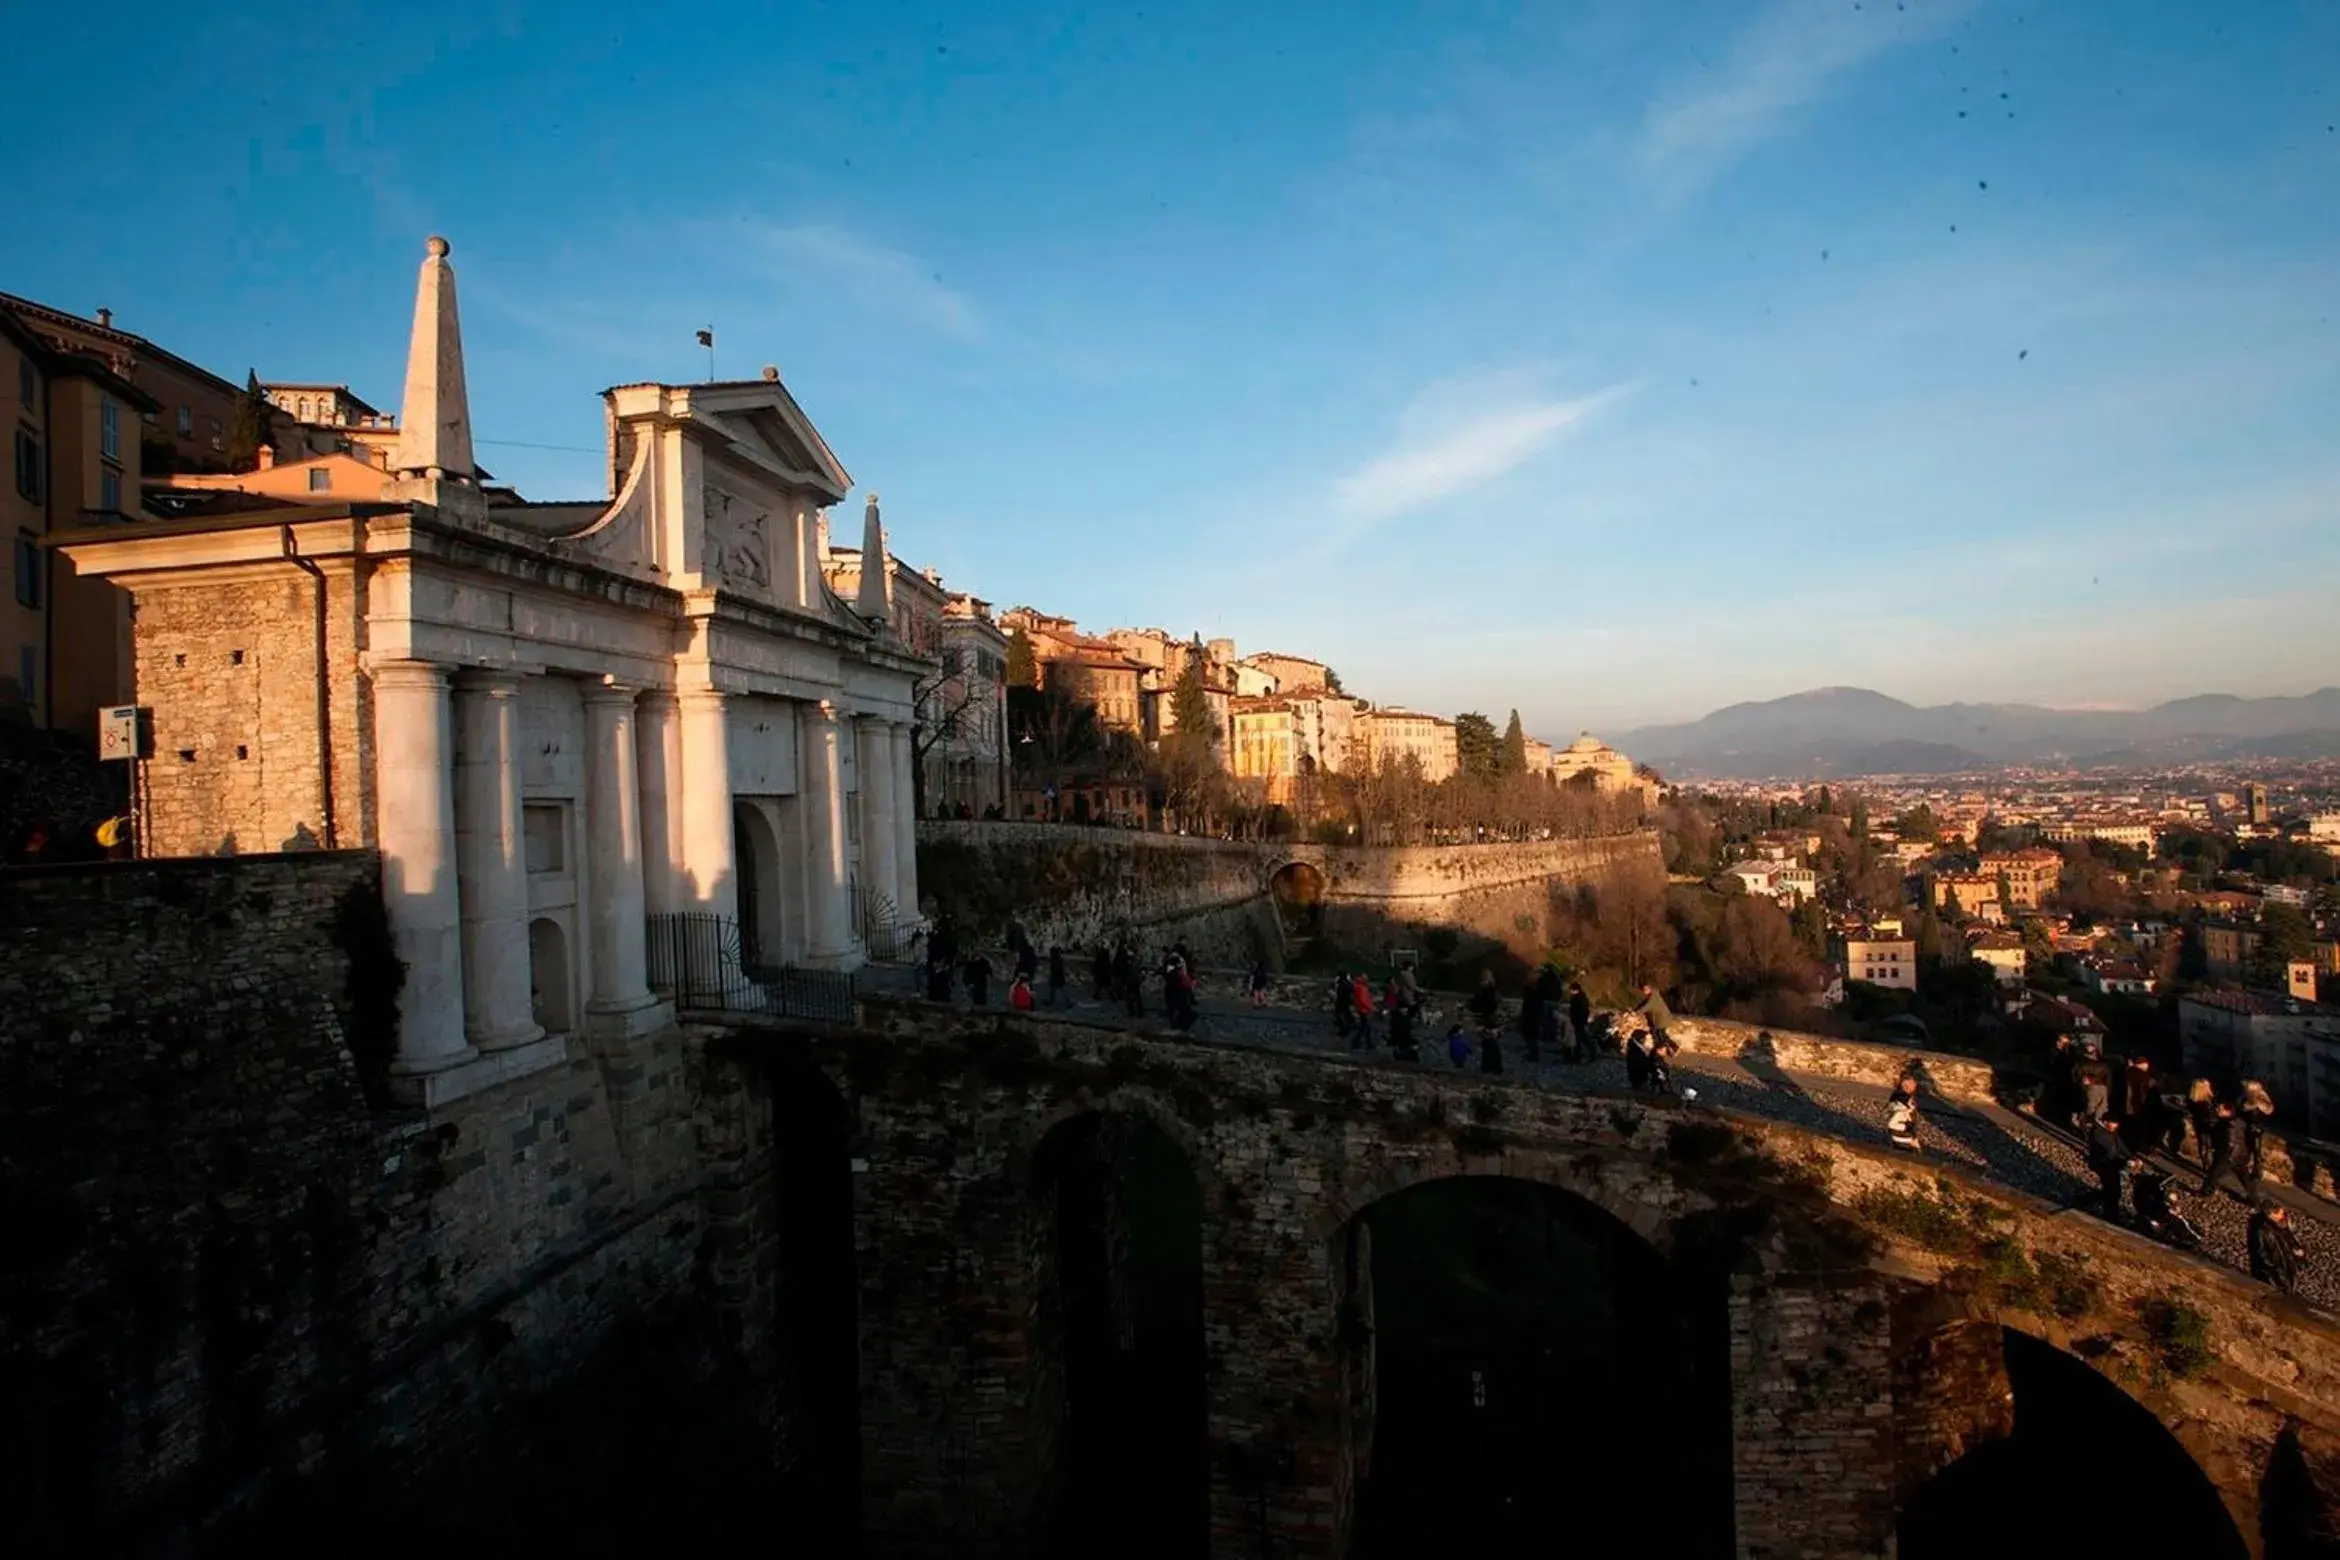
(109, 490)
(320, 480)
(109, 430)
(28, 384)
(28, 465)
(28, 570)
(186, 421)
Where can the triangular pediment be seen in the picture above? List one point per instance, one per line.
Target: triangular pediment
(767, 428)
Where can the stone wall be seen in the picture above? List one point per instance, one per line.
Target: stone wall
(231, 674)
(236, 1290)
(1073, 886)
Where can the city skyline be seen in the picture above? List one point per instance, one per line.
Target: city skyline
(1454, 353)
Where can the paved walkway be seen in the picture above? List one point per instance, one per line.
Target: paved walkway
(2007, 1147)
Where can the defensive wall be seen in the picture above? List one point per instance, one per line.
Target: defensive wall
(243, 1291)
(237, 1282)
(1075, 886)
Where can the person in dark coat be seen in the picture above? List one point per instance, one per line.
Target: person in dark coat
(1344, 1003)
(2226, 1141)
(1580, 1020)
(1100, 971)
(2276, 1252)
(1531, 1020)
(1059, 978)
(2109, 1157)
(978, 977)
(1125, 979)
(2137, 1106)
(2254, 1108)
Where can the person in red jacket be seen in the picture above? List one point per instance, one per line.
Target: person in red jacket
(1020, 994)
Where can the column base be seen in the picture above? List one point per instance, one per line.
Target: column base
(433, 1089)
(850, 958)
(406, 1067)
(510, 1041)
(627, 1018)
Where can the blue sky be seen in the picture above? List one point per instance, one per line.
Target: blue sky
(1610, 361)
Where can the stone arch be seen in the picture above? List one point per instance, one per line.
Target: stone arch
(1666, 1332)
(1564, 1171)
(1948, 1312)
(1297, 888)
(756, 848)
(551, 978)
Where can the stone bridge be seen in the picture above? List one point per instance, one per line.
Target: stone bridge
(1856, 1328)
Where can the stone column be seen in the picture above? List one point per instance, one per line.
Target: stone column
(613, 830)
(905, 824)
(491, 862)
(827, 913)
(1812, 1390)
(878, 835)
(658, 760)
(709, 875)
(414, 762)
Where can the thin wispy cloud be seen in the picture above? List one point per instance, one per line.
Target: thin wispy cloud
(889, 280)
(1458, 437)
(1788, 57)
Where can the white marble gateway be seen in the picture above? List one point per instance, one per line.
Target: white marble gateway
(559, 718)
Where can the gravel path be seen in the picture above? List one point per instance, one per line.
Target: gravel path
(2002, 1146)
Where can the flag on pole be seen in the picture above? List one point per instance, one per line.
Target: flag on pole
(707, 339)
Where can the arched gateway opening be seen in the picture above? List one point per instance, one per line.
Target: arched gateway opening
(1118, 1343)
(1298, 891)
(2086, 1469)
(1527, 1376)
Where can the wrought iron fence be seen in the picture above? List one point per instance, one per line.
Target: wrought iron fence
(889, 939)
(697, 959)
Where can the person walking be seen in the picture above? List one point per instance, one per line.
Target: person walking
(1401, 1020)
(1100, 971)
(1660, 1018)
(1458, 1045)
(2276, 1252)
(1020, 993)
(1125, 979)
(977, 975)
(1059, 978)
(1361, 998)
(1531, 1016)
(2226, 1136)
(1259, 983)
(1580, 1020)
(2202, 1113)
(2109, 1157)
(2137, 1105)
(1344, 1000)
(2256, 1108)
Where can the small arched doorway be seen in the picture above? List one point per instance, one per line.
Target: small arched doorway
(2086, 1469)
(1118, 1339)
(551, 986)
(756, 859)
(1529, 1376)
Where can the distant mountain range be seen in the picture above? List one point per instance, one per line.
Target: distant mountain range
(1856, 731)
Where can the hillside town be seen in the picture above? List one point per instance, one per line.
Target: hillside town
(2192, 916)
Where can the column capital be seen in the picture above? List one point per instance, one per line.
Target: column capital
(408, 674)
(494, 680)
(607, 693)
(822, 710)
(664, 698)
